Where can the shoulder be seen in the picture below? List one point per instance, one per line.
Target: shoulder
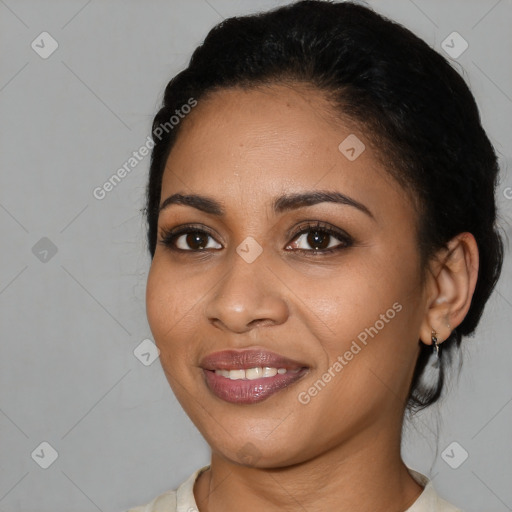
(445, 506)
(429, 500)
(165, 502)
(169, 501)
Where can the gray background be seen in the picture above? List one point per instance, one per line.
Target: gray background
(70, 321)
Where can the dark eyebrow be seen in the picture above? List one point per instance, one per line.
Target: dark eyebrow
(281, 204)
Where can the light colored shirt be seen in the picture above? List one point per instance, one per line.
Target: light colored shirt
(182, 499)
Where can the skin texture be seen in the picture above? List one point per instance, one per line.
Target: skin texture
(340, 451)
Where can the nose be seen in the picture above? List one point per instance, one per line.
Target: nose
(249, 295)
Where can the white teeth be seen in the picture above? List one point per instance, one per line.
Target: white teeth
(253, 373)
(269, 372)
(236, 374)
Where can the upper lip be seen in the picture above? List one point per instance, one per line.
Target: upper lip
(248, 358)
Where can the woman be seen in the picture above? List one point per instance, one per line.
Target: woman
(321, 221)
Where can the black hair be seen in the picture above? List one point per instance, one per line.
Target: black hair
(419, 111)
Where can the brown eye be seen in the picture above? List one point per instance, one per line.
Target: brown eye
(318, 239)
(194, 240)
(321, 239)
(187, 240)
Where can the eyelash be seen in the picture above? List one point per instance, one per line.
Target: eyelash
(169, 236)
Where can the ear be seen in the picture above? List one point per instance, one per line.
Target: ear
(450, 287)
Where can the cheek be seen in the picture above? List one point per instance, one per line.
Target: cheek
(157, 300)
(371, 301)
(169, 306)
(350, 301)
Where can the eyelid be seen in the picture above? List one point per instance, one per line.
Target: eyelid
(184, 228)
(311, 225)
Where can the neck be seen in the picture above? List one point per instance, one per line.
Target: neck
(366, 474)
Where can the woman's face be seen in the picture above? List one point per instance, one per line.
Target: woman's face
(346, 322)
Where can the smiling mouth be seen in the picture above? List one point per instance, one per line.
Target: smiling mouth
(250, 375)
(238, 388)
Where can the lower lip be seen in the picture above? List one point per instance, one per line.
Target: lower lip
(243, 391)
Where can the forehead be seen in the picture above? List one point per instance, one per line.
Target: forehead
(249, 146)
